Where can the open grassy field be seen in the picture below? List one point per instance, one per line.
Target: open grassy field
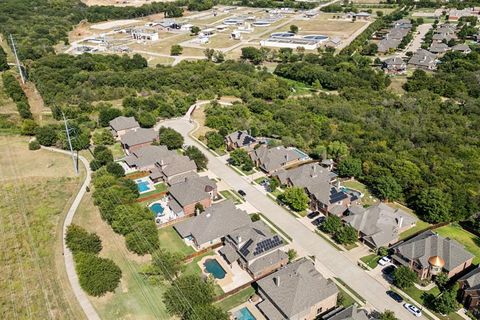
(36, 189)
(469, 240)
(326, 25)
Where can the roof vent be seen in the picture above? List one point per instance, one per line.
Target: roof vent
(276, 280)
(208, 215)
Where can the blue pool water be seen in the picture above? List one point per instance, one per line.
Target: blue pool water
(143, 186)
(157, 208)
(302, 154)
(214, 268)
(244, 314)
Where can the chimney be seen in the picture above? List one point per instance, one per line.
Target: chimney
(197, 212)
(276, 280)
(161, 163)
(239, 239)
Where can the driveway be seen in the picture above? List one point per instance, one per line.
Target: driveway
(330, 259)
(418, 39)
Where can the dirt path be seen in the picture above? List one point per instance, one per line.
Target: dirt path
(35, 100)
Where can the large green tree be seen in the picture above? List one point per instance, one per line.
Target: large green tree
(404, 277)
(434, 205)
(170, 138)
(295, 198)
(80, 240)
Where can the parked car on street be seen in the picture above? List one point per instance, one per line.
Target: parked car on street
(313, 214)
(412, 309)
(395, 296)
(318, 221)
(384, 261)
(242, 193)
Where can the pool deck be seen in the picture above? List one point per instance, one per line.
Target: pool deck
(251, 307)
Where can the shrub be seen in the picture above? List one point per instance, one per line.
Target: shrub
(80, 240)
(33, 145)
(144, 237)
(103, 137)
(116, 169)
(255, 217)
(96, 275)
(46, 135)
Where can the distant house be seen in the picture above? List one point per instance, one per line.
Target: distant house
(255, 249)
(357, 16)
(120, 125)
(394, 65)
(305, 174)
(350, 313)
(423, 59)
(296, 291)
(428, 254)
(379, 225)
(385, 45)
(137, 138)
(463, 48)
(470, 289)
(403, 24)
(211, 226)
(186, 194)
(276, 158)
(144, 159)
(438, 47)
(240, 139)
(173, 169)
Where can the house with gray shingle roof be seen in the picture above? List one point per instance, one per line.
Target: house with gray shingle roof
(276, 158)
(296, 291)
(137, 138)
(423, 59)
(144, 159)
(463, 48)
(438, 47)
(305, 174)
(211, 226)
(240, 139)
(350, 313)
(255, 248)
(120, 125)
(394, 65)
(428, 254)
(379, 225)
(470, 289)
(192, 190)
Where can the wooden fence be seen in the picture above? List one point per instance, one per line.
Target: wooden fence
(152, 196)
(203, 251)
(137, 175)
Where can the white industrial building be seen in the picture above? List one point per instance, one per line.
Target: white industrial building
(310, 42)
(144, 34)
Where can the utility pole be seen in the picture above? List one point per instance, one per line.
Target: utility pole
(16, 59)
(75, 165)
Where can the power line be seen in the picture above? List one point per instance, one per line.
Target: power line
(67, 131)
(17, 59)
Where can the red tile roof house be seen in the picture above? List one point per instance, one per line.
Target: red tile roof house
(194, 189)
(120, 125)
(138, 138)
(428, 254)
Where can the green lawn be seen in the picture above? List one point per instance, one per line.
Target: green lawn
(227, 194)
(159, 188)
(368, 199)
(117, 151)
(276, 192)
(346, 300)
(171, 241)
(193, 268)
(359, 297)
(236, 299)
(371, 260)
(469, 240)
(421, 225)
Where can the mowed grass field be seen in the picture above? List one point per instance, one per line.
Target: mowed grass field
(469, 240)
(36, 188)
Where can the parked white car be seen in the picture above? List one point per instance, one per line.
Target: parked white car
(384, 261)
(413, 310)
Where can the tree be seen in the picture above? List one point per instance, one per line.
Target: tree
(239, 157)
(346, 235)
(176, 50)
(33, 145)
(103, 137)
(116, 169)
(195, 30)
(170, 138)
(46, 135)
(404, 277)
(29, 127)
(80, 240)
(207, 312)
(446, 302)
(292, 254)
(167, 264)
(349, 167)
(370, 49)
(337, 149)
(3, 60)
(434, 205)
(293, 29)
(295, 198)
(387, 188)
(107, 114)
(144, 237)
(252, 54)
(96, 275)
(331, 225)
(273, 184)
(199, 207)
(209, 53)
(214, 140)
(379, 13)
(197, 156)
(441, 280)
(23, 109)
(146, 119)
(219, 56)
(388, 315)
(382, 251)
(186, 293)
(255, 217)
(103, 156)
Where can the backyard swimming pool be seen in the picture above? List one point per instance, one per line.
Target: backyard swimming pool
(157, 209)
(144, 185)
(214, 268)
(303, 155)
(244, 314)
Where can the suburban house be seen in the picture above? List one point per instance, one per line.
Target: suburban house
(173, 169)
(379, 225)
(144, 159)
(423, 59)
(120, 125)
(255, 249)
(438, 47)
(394, 65)
(208, 228)
(305, 174)
(296, 292)
(470, 289)
(328, 198)
(394, 37)
(350, 313)
(445, 32)
(276, 158)
(428, 254)
(137, 138)
(463, 48)
(184, 195)
(240, 139)
(365, 16)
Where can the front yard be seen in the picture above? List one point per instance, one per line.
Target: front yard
(228, 194)
(469, 240)
(371, 260)
(171, 241)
